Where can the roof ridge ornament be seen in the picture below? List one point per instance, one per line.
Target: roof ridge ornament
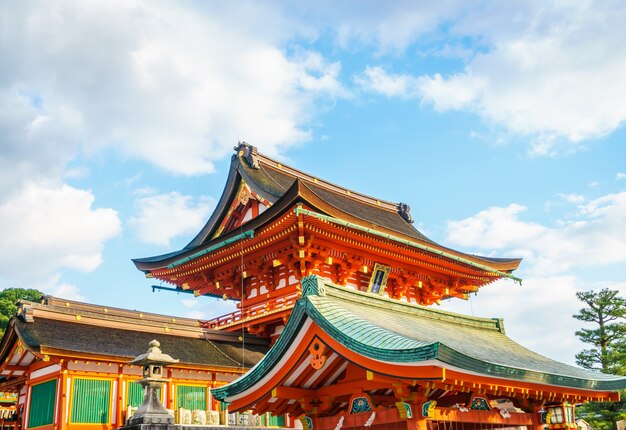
(24, 311)
(249, 153)
(313, 285)
(404, 211)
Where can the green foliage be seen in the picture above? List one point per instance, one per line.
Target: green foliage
(603, 415)
(607, 311)
(8, 300)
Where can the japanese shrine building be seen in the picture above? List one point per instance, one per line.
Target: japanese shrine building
(67, 363)
(353, 359)
(340, 283)
(274, 225)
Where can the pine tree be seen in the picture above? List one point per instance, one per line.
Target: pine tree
(607, 311)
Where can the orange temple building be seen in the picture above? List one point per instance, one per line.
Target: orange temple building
(65, 365)
(340, 283)
(274, 225)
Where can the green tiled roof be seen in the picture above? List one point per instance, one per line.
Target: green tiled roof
(394, 331)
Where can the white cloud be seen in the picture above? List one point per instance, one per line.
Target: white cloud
(78, 172)
(46, 227)
(162, 217)
(594, 237)
(318, 75)
(573, 198)
(619, 176)
(55, 287)
(547, 70)
(36, 142)
(538, 313)
(204, 308)
(389, 26)
(175, 85)
(493, 228)
(453, 92)
(189, 303)
(378, 80)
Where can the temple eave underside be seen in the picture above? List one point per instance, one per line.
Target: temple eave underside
(306, 246)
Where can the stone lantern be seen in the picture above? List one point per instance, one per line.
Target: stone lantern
(152, 410)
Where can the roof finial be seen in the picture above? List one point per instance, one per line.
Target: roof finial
(405, 212)
(248, 152)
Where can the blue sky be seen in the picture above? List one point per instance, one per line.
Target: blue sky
(499, 123)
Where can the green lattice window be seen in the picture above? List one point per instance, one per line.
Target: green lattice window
(278, 421)
(191, 397)
(42, 397)
(90, 401)
(135, 394)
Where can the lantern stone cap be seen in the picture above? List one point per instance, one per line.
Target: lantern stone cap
(154, 356)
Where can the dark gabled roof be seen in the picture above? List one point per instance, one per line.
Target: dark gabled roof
(396, 332)
(271, 179)
(73, 337)
(74, 328)
(278, 184)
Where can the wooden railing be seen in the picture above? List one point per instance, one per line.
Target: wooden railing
(250, 313)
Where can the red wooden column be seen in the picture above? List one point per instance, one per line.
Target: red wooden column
(416, 424)
(62, 396)
(536, 418)
(120, 411)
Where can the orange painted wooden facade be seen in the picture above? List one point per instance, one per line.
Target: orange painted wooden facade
(330, 358)
(275, 225)
(75, 348)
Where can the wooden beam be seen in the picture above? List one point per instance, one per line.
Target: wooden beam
(482, 417)
(282, 392)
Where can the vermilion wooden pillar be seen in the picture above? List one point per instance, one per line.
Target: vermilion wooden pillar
(416, 424)
(537, 424)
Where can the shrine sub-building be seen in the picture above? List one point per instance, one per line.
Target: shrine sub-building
(341, 284)
(66, 365)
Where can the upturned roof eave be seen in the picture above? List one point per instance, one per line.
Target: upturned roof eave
(314, 286)
(230, 188)
(150, 263)
(288, 200)
(11, 336)
(502, 264)
(299, 192)
(239, 170)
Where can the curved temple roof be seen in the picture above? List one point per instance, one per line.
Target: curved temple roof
(283, 186)
(72, 328)
(396, 332)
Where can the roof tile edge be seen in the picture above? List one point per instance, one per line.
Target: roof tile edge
(317, 286)
(249, 152)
